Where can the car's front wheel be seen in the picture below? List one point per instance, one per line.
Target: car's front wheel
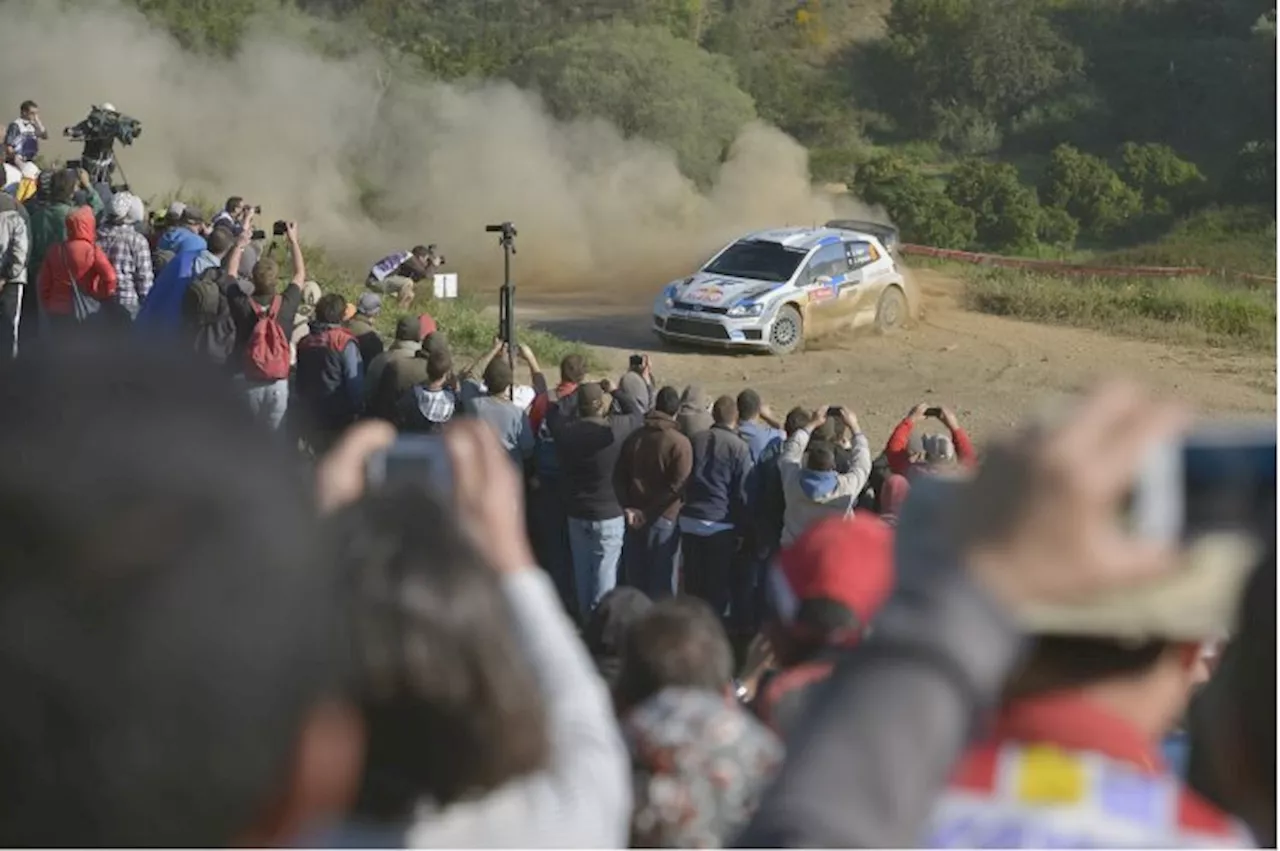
(787, 332)
(891, 312)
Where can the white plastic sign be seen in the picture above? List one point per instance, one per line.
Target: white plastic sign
(446, 286)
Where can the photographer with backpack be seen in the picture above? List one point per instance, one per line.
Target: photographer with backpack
(264, 321)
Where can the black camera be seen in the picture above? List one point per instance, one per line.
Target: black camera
(835, 412)
(280, 228)
(258, 235)
(637, 362)
(257, 211)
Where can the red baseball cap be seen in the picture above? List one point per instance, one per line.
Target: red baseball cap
(427, 324)
(845, 560)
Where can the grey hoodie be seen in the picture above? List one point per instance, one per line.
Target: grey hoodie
(695, 411)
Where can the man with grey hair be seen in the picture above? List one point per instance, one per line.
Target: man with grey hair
(128, 251)
(906, 451)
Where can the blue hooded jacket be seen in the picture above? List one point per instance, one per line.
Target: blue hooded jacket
(162, 308)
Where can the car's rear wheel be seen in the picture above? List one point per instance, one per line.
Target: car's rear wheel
(891, 312)
(787, 332)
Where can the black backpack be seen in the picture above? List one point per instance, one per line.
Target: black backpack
(207, 317)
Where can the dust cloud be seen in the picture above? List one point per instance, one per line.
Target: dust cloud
(369, 161)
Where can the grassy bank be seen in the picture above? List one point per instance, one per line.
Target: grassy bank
(1193, 311)
(469, 327)
(1234, 239)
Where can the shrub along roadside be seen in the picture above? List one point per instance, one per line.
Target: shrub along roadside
(1182, 310)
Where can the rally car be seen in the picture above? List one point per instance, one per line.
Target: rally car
(761, 291)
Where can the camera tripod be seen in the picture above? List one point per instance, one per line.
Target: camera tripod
(507, 296)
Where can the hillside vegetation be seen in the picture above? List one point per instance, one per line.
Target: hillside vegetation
(1038, 127)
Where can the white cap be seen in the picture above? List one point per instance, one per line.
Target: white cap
(177, 208)
(108, 107)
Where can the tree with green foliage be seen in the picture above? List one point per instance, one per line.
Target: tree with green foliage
(1090, 190)
(1169, 184)
(214, 26)
(919, 207)
(1006, 211)
(994, 57)
(1253, 174)
(647, 82)
(1057, 228)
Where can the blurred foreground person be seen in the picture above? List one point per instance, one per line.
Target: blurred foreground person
(1036, 527)
(487, 725)
(1074, 756)
(1237, 728)
(606, 630)
(699, 765)
(679, 643)
(827, 587)
(168, 615)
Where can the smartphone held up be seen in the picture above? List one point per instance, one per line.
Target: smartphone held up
(1219, 477)
(414, 460)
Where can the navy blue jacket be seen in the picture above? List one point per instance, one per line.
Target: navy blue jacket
(717, 488)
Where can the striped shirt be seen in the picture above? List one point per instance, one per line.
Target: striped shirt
(130, 254)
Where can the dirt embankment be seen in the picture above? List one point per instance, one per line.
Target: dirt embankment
(991, 370)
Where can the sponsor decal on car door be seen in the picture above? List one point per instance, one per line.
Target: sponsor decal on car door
(856, 290)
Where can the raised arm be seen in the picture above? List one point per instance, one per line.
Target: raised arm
(896, 452)
(536, 377)
(959, 438)
(795, 445)
(481, 363)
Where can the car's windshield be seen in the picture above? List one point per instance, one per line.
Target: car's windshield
(760, 261)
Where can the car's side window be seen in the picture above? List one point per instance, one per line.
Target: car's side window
(828, 262)
(860, 254)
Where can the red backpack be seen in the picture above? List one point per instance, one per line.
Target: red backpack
(267, 355)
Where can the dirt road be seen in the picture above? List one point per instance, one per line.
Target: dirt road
(991, 370)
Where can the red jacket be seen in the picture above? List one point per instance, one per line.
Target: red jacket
(91, 267)
(899, 457)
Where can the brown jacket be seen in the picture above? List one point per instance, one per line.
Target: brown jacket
(653, 467)
(398, 375)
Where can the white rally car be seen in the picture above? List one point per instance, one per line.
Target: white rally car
(760, 291)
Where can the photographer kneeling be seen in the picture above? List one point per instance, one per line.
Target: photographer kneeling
(397, 274)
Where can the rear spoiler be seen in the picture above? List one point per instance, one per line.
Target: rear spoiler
(888, 234)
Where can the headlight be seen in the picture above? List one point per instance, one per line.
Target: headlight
(668, 298)
(746, 310)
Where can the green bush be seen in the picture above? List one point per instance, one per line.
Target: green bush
(1253, 174)
(1090, 190)
(1186, 310)
(917, 205)
(965, 130)
(1057, 228)
(647, 82)
(1169, 184)
(1231, 239)
(1006, 212)
(995, 58)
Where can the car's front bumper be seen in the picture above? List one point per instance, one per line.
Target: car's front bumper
(751, 332)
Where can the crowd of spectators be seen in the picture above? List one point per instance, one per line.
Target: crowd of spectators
(638, 615)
